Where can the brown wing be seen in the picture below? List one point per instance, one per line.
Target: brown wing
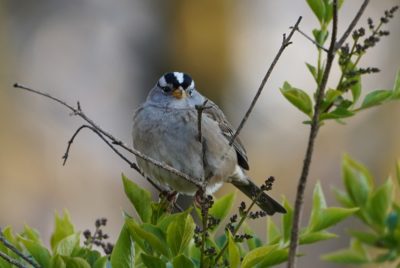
(215, 113)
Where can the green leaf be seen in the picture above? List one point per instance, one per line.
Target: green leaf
(140, 235)
(31, 234)
(57, 262)
(364, 237)
(338, 113)
(396, 87)
(152, 262)
(329, 10)
(37, 251)
(63, 228)
(140, 198)
(313, 237)
(319, 204)
(313, 71)
(287, 220)
(123, 253)
(253, 242)
(273, 233)
(376, 97)
(346, 256)
(356, 88)
(330, 96)
(233, 252)
(357, 180)
(330, 216)
(182, 261)
(75, 262)
(66, 246)
(298, 98)
(318, 7)
(222, 207)
(179, 233)
(264, 257)
(320, 37)
(102, 262)
(343, 198)
(380, 203)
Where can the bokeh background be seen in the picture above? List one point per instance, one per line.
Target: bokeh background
(108, 54)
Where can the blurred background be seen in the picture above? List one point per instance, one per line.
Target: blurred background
(108, 54)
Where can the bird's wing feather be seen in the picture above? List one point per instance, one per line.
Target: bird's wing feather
(227, 130)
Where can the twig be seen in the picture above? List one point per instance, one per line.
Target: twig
(132, 164)
(310, 146)
(353, 24)
(285, 42)
(200, 109)
(11, 260)
(78, 111)
(28, 259)
(310, 39)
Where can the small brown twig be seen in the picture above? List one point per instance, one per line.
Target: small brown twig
(11, 260)
(285, 43)
(79, 112)
(310, 146)
(310, 39)
(28, 259)
(353, 24)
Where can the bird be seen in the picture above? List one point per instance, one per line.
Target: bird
(166, 129)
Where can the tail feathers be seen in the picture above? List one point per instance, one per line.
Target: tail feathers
(265, 202)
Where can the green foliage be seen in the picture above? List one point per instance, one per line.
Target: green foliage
(378, 212)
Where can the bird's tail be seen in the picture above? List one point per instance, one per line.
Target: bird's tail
(265, 202)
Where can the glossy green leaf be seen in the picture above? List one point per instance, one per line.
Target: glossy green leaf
(102, 262)
(75, 262)
(330, 96)
(287, 220)
(273, 233)
(357, 180)
(66, 246)
(320, 37)
(346, 256)
(179, 233)
(38, 252)
(396, 87)
(313, 71)
(233, 252)
(376, 97)
(364, 237)
(380, 202)
(222, 207)
(318, 8)
(63, 228)
(123, 253)
(264, 257)
(58, 262)
(330, 216)
(31, 234)
(152, 262)
(356, 88)
(313, 237)
(182, 261)
(298, 98)
(139, 235)
(338, 113)
(343, 198)
(319, 203)
(140, 198)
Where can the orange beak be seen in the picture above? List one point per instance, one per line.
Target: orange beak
(179, 93)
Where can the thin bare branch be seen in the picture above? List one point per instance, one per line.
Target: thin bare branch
(200, 109)
(26, 258)
(310, 39)
(285, 43)
(353, 24)
(79, 112)
(11, 260)
(310, 146)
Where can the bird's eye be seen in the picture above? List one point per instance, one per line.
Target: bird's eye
(166, 89)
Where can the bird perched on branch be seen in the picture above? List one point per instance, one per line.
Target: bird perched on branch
(169, 129)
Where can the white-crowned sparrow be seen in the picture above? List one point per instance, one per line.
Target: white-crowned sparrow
(165, 128)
